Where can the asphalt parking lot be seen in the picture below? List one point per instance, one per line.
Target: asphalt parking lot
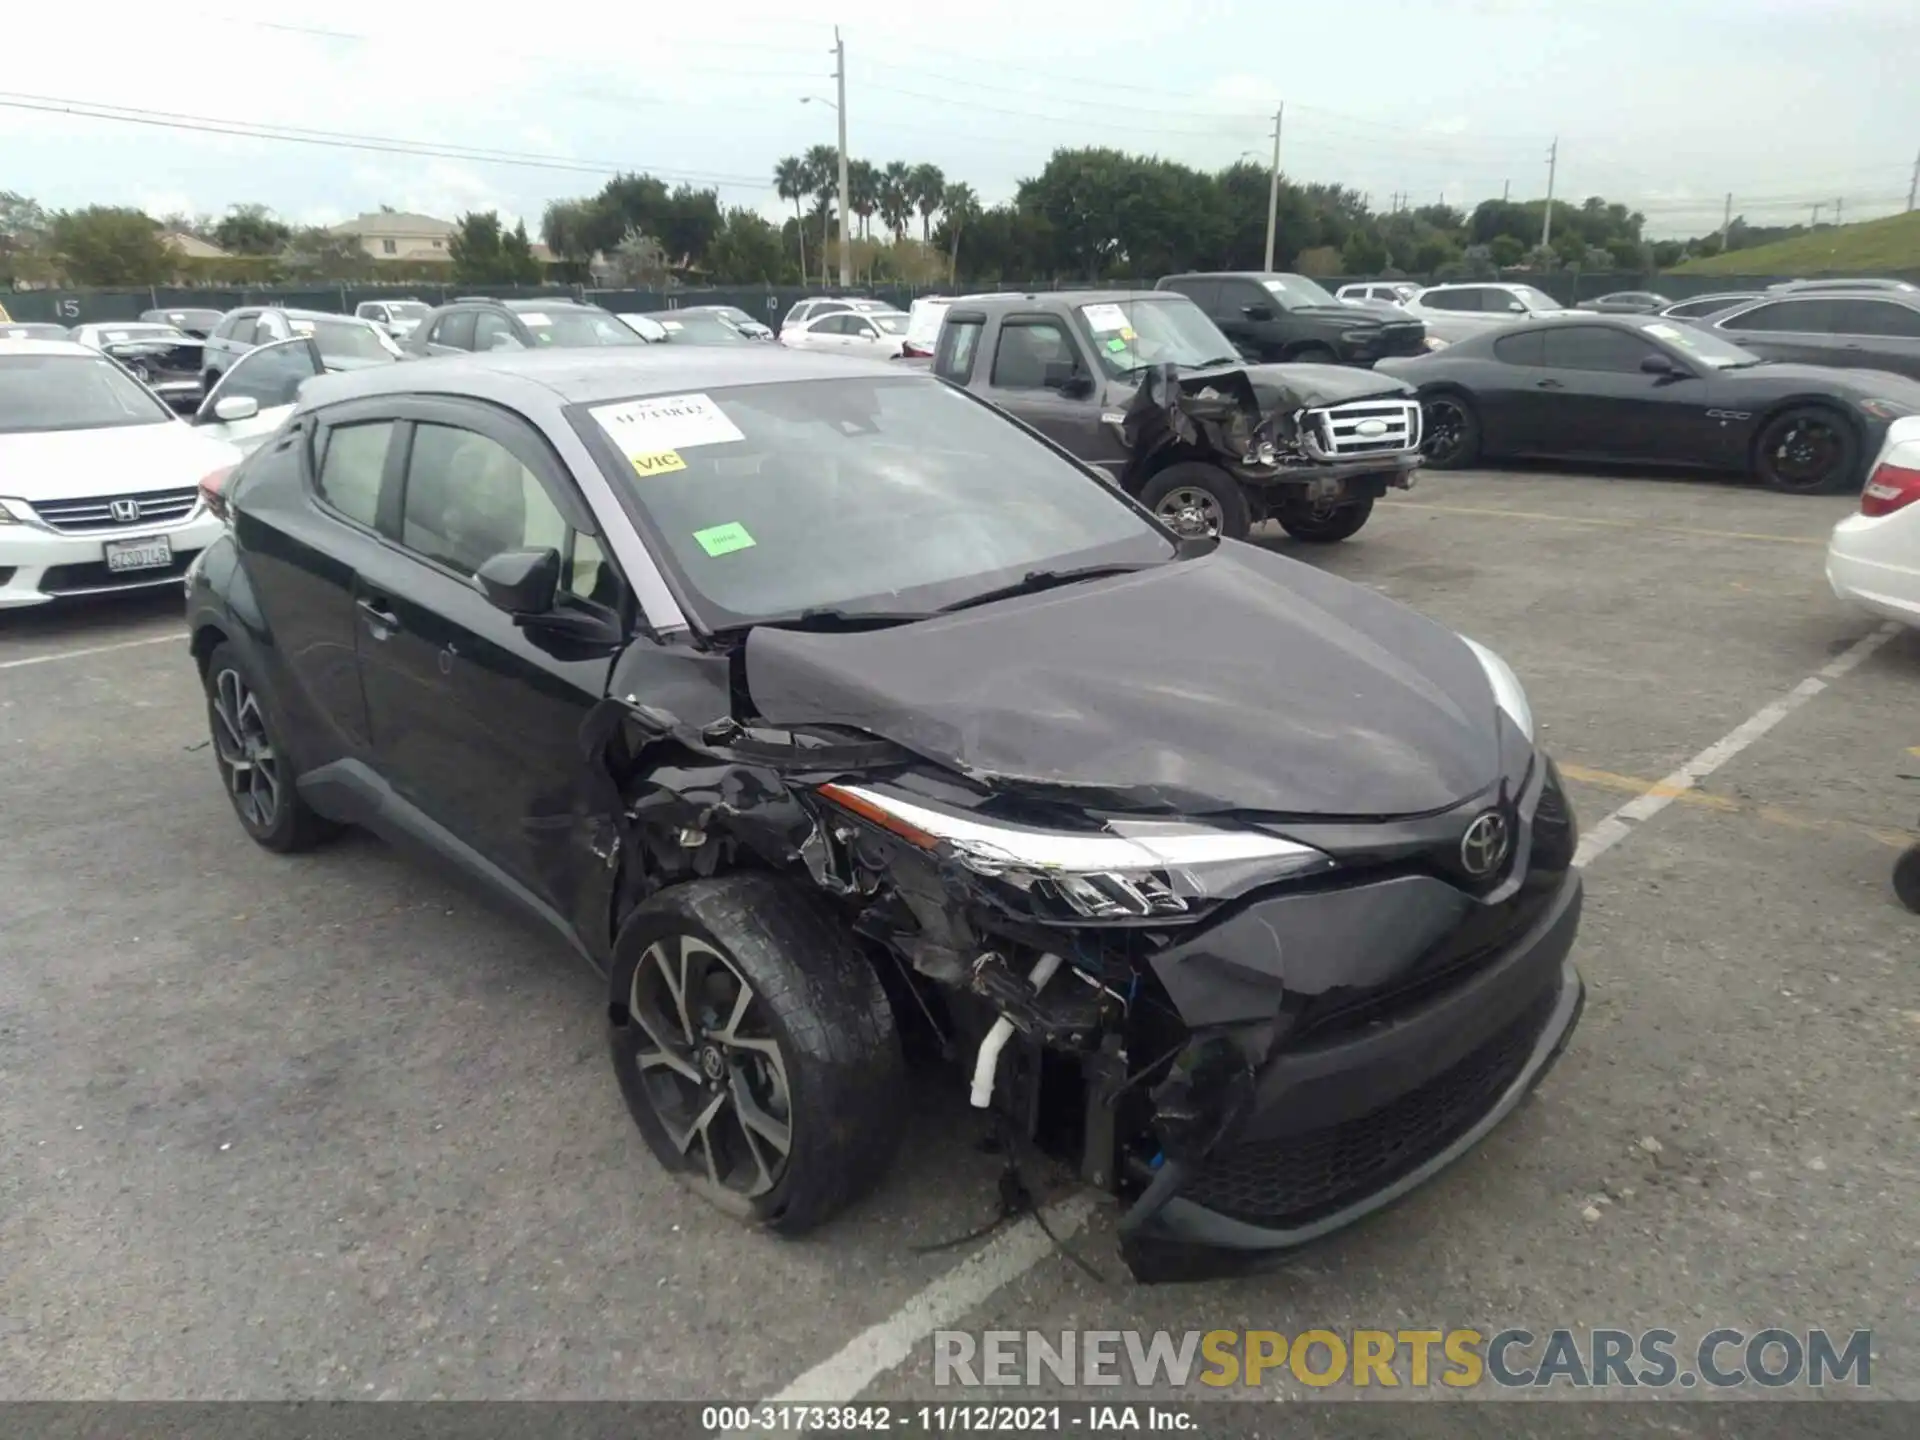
(330, 1127)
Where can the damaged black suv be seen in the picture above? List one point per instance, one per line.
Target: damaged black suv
(817, 704)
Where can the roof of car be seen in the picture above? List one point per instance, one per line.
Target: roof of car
(1071, 297)
(590, 376)
(47, 347)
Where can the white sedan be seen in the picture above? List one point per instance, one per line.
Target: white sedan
(881, 335)
(101, 483)
(1873, 560)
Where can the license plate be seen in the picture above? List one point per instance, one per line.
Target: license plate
(147, 553)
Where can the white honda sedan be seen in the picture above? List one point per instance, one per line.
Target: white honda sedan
(1873, 560)
(880, 335)
(100, 481)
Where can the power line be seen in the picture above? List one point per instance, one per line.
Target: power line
(343, 140)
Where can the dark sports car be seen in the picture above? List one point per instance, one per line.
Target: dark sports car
(1640, 388)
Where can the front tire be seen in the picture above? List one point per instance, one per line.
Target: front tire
(1196, 499)
(1324, 525)
(1808, 450)
(756, 1049)
(1449, 431)
(255, 769)
(1315, 355)
(1906, 878)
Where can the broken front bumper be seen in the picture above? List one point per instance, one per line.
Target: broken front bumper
(1340, 1129)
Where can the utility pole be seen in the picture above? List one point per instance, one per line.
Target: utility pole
(1913, 185)
(1273, 185)
(1839, 209)
(1726, 221)
(1506, 190)
(840, 78)
(1553, 166)
(1816, 213)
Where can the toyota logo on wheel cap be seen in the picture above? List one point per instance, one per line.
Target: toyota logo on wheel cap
(1483, 849)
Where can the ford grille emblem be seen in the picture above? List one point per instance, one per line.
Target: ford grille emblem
(125, 511)
(1371, 429)
(1483, 849)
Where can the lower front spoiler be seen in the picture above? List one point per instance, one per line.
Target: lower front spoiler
(1187, 1241)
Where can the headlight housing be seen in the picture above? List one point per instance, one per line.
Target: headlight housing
(1125, 869)
(1434, 342)
(1508, 693)
(13, 512)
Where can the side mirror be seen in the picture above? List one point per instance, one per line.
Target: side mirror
(1514, 307)
(1658, 365)
(521, 582)
(1257, 312)
(235, 407)
(1067, 378)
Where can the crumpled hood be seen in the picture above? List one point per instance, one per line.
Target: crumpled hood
(122, 460)
(1236, 681)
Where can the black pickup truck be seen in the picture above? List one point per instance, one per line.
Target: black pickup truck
(1279, 316)
(1143, 386)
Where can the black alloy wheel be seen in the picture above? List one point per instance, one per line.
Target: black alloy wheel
(255, 770)
(1449, 432)
(756, 1048)
(1807, 451)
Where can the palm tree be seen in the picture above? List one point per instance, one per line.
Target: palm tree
(863, 191)
(791, 179)
(928, 187)
(823, 167)
(896, 196)
(961, 205)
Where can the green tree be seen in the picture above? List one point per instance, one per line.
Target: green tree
(863, 191)
(251, 230)
(896, 197)
(565, 226)
(823, 165)
(110, 245)
(24, 232)
(1365, 253)
(928, 187)
(793, 182)
(484, 252)
(317, 253)
(747, 250)
(960, 206)
(1506, 251)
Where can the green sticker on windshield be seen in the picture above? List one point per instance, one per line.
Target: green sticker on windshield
(724, 539)
(1116, 344)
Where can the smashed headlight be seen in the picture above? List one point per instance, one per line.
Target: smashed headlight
(1508, 693)
(1126, 869)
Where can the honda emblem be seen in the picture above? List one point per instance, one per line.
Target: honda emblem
(124, 512)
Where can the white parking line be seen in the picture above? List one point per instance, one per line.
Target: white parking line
(842, 1376)
(876, 1350)
(1617, 826)
(172, 638)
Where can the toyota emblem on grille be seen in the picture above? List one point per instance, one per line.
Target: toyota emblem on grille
(125, 511)
(1371, 429)
(1484, 847)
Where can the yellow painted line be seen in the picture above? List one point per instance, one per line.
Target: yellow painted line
(1771, 814)
(1553, 519)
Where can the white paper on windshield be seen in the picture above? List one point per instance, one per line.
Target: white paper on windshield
(665, 422)
(1665, 332)
(672, 325)
(1275, 287)
(302, 327)
(535, 317)
(1104, 318)
(114, 337)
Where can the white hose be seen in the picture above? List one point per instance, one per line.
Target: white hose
(988, 1061)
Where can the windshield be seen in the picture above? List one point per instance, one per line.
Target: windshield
(346, 339)
(735, 314)
(1129, 335)
(1535, 299)
(890, 494)
(570, 329)
(406, 309)
(889, 324)
(1702, 345)
(71, 392)
(114, 334)
(696, 328)
(1297, 290)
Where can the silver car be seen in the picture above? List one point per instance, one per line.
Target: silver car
(1455, 312)
(1870, 330)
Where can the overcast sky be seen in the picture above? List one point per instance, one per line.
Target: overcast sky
(1667, 104)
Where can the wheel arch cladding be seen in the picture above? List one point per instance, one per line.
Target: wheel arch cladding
(207, 638)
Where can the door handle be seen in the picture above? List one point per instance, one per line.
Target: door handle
(380, 620)
(1548, 385)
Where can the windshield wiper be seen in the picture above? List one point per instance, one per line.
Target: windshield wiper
(1036, 580)
(1216, 360)
(833, 617)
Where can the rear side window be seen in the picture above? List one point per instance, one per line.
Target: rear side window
(350, 473)
(959, 342)
(1527, 349)
(1450, 300)
(1875, 317)
(455, 330)
(1805, 317)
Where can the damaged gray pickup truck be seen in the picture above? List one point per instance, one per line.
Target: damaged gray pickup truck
(837, 720)
(1143, 386)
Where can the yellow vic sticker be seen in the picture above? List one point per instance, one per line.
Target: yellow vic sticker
(658, 463)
